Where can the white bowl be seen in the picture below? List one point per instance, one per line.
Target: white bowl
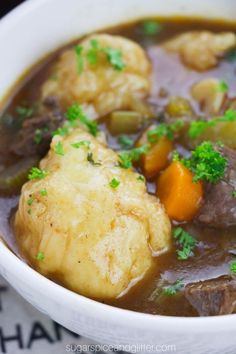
(27, 34)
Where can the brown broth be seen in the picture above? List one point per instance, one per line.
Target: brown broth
(212, 255)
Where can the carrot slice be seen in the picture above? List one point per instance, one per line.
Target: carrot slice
(178, 193)
(156, 158)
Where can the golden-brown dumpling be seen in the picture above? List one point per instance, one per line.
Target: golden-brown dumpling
(100, 85)
(96, 240)
(201, 50)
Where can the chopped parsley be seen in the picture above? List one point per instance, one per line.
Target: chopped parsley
(125, 141)
(114, 183)
(38, 135)
(233, 267)
(91, 160)
(234, 193)
(75, 113)
(43, 192)
(30, 201)
(151, 28)
(141, 178)
(79, 58)
(126, 158)
(174, 288)
(231, 55)
(37, 173)
(59, 149)
(206, 163)
(186, 241)
(40, 256)
(29, 211)
(25, 112)
(199, 126)
(78, 145)
(164, 129)
(223, 86)
(114, 57)
(62, 131)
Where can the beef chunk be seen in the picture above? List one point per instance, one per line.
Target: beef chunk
(219, 205)
(212, 297)
(36, 133)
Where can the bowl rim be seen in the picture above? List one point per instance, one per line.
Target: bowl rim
(91, 307)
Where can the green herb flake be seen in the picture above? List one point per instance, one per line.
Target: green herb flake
(25, 112)
(141, 178)
(62, 131)
(39, 134)
(91, 160)
(29, 211)
(186, 241)
(59, 149)
(174, 288)
(30, 201)
(125, 141)
(75, 113)
(43, 192)
(114, 57)
(206, 163)
(223, 86)
(114, 183)
(37, 173)
(199, 126)
(232, 267)
(151, 28)
(126, 158)
(82, 143)
(234, 194)
(79, 58)
(163, 129)
(92, 54)
(231, 55)
(40, 256)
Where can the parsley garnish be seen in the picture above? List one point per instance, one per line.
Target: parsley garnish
(78, 145)
(114, 56)
(164, 129)
(91, 160)
(141, 178)
(62, 131)
(38, 135)
(234, 194)
(231, 55)
(29, 211)
(40, 256)
(233, 267)
(198, 127)
(125, 141)
(126, 158)
(75, 113)
(59, 149)
(174, 288)
(30, 201)
(186, 241)
(24, 112)
(43, 192)
(151, 28)
(37, 173)
(223, 86)
(79, 58)
(206, 163)
(114, 183)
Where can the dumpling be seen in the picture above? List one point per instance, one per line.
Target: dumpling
(201, 50)
(95, 239)
(100, 84)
